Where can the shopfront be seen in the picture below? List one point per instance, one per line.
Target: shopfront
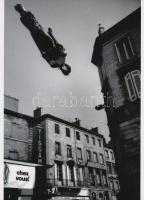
(19, 180)
(69, 194)
(98, 194)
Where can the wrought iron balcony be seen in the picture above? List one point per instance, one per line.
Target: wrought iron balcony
(71, 183)
(65, 183)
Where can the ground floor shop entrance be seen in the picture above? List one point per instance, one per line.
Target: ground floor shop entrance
(19, 180)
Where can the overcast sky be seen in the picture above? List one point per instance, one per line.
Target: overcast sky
(75, 25)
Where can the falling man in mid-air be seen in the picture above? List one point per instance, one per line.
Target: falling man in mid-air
(53, 52)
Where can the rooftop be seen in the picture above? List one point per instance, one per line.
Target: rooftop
(134, 19)
(33, 121)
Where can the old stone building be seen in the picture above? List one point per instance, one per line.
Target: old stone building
(117, 55)
(19, 168)
(76, 155)
(63, 159)
(111, 171)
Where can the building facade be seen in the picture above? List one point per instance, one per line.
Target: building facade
(63, 159)
(111, 171)
(19, 169)
(77, 158)
(117, 55)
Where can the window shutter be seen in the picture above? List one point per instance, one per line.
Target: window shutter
(136, 80)
(130, 87)
(117, 51)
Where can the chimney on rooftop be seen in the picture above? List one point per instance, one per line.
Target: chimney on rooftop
(95, 129)
(77, 122)
(11, 103)
(37, 112)
(101, 29)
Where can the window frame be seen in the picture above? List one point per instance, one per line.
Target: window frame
(88, 153)
(80, 150)
(77, 135)
(93, 139)
(57, 148)
(107, 154)
(133, 78)
(112, 155)
(57, 128)
(121, 45)
(87, 138)
(91, 176)
(101, 156)
(95, 160)
(69, 151)
(99, 142)
(98, 176)
(104, 178)
(71, 173)
(59, 171)
(130, 76)
(68, 134)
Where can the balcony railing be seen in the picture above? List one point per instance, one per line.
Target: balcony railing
(72, 183)
(65, 182)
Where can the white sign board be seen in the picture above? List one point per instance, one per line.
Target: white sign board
(19, 176)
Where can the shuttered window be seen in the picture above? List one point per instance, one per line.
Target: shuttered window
(59, 172)
(136, 79)
(79, 153)
(124, 49)
(132, 80)
(57, 148)
(69, 151)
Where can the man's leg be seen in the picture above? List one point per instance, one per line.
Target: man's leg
(20, 8)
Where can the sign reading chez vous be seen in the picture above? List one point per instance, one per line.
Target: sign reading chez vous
(19, 176)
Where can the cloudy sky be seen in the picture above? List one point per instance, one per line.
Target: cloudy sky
(75, 24)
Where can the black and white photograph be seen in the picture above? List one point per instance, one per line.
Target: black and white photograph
(72, 99)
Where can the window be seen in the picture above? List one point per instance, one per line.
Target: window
(87, 138)
(80, 175)
(98, 178)
(88, 155)
(101, 158)
(111, 185)
(57, 148)
(77, 135)
(67, 132)
(59, 172)
(117, 188)
(91, 176)
(109, 168)
(107, 154)
(79, 153)
(69, 151)
(100, 195)
(99, 142)
(93, 139)
(132, 80)
(104, 178)
(57, 128)
(95, 157)
(114, 169)
(71, 173)
(112, 155)
(124, 49)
